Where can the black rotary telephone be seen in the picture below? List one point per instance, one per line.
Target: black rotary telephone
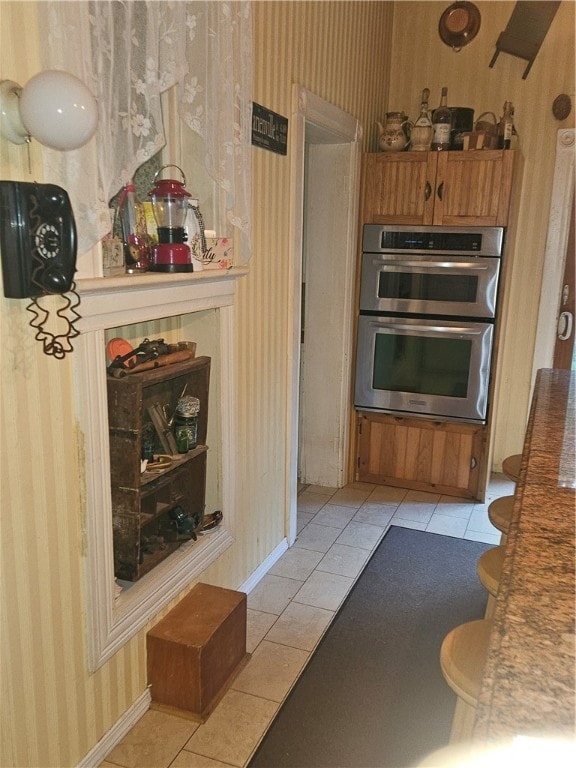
(38, 249)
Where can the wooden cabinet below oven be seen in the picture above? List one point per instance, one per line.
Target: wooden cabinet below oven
(420, 454)
(471, 188)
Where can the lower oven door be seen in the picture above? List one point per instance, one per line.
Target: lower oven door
(435, 368)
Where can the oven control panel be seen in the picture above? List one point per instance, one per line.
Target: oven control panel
(479, 241)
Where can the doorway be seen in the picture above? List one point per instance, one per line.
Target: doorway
(324, 337)
(325, 165)
(559, 249)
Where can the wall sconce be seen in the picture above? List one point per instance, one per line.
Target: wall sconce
(54, 107)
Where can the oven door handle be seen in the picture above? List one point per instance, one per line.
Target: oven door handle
(443, 329)
(455, 266)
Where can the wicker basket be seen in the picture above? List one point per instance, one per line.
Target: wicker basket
(484, 135)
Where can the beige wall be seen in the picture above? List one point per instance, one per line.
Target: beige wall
(420, 59)
(54, 711)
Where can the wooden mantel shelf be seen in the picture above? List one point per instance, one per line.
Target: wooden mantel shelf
(107, 302)
(151, 280)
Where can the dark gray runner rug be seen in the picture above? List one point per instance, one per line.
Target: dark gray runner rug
(373, 695)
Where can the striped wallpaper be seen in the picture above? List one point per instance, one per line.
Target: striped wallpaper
(54, 711)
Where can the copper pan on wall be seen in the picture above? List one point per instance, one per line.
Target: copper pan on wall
(459, 24)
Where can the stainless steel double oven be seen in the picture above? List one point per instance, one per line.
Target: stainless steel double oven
(428, 303)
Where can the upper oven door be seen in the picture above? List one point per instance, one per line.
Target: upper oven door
(457, 286)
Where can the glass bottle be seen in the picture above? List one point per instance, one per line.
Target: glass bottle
(186, 423)
(506, 126)
(442, 123)
(134, 232)
(421, 135)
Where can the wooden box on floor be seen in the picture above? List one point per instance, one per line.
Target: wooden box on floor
(195, 651)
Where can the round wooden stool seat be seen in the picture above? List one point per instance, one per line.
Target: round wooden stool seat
(511, 466)
(489, 567)
(462, 658)
(500, 513)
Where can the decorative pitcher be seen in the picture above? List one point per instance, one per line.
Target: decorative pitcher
(395, 135)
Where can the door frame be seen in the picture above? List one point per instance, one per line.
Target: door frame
(310, 110)
(556, 243)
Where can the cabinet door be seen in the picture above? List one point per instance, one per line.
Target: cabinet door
(441, 457)
(473, 188)
(398, 187)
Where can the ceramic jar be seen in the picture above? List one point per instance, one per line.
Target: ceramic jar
(394, 136)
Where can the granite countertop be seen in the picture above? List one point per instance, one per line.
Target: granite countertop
(529, 677)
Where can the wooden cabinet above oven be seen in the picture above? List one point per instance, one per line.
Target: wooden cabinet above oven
(469, 188)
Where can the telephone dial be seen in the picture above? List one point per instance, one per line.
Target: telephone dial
(38, 249)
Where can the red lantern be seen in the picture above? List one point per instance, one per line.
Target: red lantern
(170, 203)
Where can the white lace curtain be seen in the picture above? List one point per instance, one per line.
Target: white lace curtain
(128, 52)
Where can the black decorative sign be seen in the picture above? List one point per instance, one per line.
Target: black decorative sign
(269, 130)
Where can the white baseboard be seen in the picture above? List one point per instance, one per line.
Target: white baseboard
(98, 753)
(264, 567)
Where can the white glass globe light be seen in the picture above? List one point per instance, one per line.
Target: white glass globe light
(58, 110)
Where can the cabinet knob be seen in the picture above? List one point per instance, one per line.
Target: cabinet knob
(427, 191)
(440, 191)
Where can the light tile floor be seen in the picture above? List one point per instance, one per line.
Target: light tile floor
(290, 609)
